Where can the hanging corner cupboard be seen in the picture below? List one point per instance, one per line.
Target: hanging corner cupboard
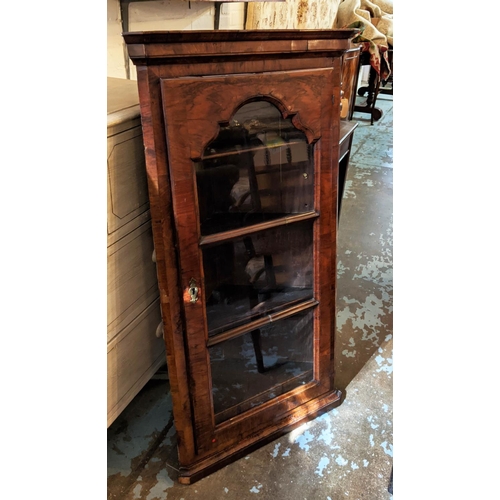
(241, 135)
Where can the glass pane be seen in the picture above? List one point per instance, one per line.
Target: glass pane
(258, 168)
(258, 366)
(257, 274)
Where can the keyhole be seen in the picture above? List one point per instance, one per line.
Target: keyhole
(193, 291)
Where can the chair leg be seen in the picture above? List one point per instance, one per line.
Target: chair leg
(258, 351)
(374, 86)
(372, 89)
(254, 300)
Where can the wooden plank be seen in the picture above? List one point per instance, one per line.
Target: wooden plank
(253, 325)
(213, 239)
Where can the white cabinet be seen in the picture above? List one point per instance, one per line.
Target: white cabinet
(135, 352)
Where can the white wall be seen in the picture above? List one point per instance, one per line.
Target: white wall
(232, 16)
(163, 15)
(116, 47)
(171, 15)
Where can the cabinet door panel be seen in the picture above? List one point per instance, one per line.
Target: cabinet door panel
(239, 203)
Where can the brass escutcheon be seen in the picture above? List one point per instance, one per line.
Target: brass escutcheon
(193, 291)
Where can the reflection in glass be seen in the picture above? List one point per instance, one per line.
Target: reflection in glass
(255, 275)
(258, 168)
(258, 366)
(258, 282)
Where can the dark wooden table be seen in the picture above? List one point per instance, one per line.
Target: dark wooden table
(345, 144)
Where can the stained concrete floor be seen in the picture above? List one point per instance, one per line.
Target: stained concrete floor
(345, 453)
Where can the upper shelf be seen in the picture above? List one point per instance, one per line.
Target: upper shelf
(232, 150)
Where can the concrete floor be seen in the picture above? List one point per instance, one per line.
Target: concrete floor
(345, 453)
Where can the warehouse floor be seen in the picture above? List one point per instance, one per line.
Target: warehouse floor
(345, 453)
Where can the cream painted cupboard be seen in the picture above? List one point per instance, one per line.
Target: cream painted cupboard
(135, 346)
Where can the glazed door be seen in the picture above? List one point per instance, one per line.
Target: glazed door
(254, 197)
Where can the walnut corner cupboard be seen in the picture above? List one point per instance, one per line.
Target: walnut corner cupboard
(241, 134)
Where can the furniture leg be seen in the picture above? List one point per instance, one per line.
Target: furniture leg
(372, 89)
